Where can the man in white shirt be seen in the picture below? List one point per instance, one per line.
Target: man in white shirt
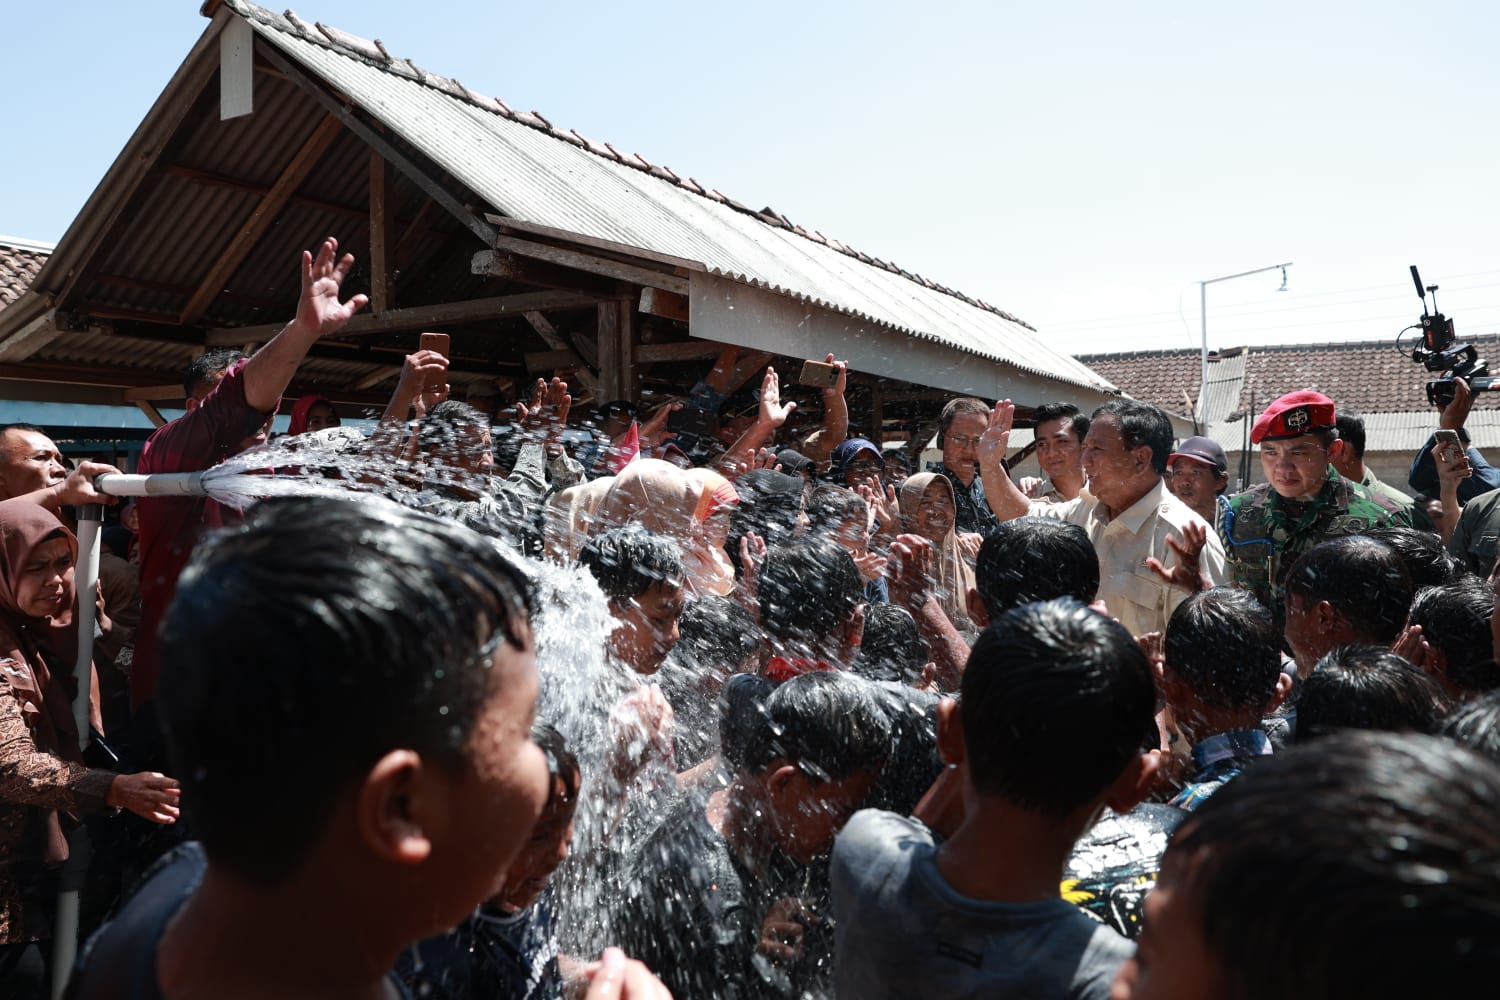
(1136, 524)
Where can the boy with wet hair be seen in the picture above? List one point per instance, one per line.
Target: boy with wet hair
(1363, 867)
(711, 902)
(1032, 559)
(1368, 687)
(507, 949)
(640, 573)
(1221, 674)
(811, 607)
(391, 709)
(1452, 626)
(1350, 589)
(1056, 703)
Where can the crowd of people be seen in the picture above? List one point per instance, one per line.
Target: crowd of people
(852, 729)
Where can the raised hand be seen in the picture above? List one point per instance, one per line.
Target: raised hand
(996, 436)
(773, 412)
(1187, 573)
(910, 571)
(841, 382)
(653, 433)
(319, 308)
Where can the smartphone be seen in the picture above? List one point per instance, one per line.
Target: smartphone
(442, 344)
(818, 374)
(1450, 442)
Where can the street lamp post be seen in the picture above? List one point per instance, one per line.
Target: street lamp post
(1202, 415)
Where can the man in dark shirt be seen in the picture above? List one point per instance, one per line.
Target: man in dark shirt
(231, 401)
(960, 426)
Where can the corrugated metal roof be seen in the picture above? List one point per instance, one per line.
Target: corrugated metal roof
(531, 172)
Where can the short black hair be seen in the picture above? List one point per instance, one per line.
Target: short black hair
(1368, 865)
(1056, 701)
(1362, 578)
(630, 560)
(1142, 424)
(963, 404)
(206, 368)
(807, 589)
(1035, 559)
(1428, 561)
(1079, 424)
(828, 507)
(385, 622)
(561, 763)
(1224, 644)
(743, 721)
(1368, 687)
(892, 648)
(1456, 620)
(717, 632)
(445, 428)
(1476, 725)
(1351, 428)
(20, 425)
(827, 723)
(769, 504)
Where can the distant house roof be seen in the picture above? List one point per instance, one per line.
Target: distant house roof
(20, 260)
(1372, 378)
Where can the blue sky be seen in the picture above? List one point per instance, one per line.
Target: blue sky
(1081, 165)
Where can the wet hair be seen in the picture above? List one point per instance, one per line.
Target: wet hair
(1476, 725)
(1078, 424)
(1456, 620)
(386, 620)
(963, 404)
(769, 504)
(1362, 578)
(1368, 687)
(891, 649)
(629, 560)
(1056, 701)
(1428, 562)
(1035, 559)
(807, 589)
(447, 427)
(829, 507)
(561, 764)
(1142, 424)
(826, 723)
(1225, 646)
(717, 632)
(1366, 867)
(1351, 428)
(205, 369)
(742, 717)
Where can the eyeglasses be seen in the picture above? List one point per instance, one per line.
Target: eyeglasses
(865, 468)
(962, 442)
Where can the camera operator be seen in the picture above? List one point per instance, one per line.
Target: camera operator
(1423, 477)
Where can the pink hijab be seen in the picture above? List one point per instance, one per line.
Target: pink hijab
(679, 504)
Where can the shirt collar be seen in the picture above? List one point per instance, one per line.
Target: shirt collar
(1136, 515)
(1238, 743)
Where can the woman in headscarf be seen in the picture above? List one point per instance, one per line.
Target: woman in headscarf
(44, 784)
(312, 413)
(856, 462)
(928, 509)
(690, 506)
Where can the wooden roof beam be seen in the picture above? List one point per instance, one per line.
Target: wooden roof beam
(261, 219)
(487, 261)
(418, 317)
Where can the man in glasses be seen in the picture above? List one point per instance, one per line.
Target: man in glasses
(960, 426)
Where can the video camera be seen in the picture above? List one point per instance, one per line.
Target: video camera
(1439, 353)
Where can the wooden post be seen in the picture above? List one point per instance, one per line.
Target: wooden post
(617, 351)
(381, 244)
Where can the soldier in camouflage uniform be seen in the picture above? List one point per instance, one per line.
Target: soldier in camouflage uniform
(1304, 502)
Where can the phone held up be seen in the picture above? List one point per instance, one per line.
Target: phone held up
(442, 344)
(819, 375)
(1450, 443)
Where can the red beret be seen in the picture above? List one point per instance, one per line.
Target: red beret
(1293, 415)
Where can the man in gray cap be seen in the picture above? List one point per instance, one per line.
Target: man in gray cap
(1198, 475)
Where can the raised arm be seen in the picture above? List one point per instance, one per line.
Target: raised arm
(819, 446)
(319, 313)
(1004, 497)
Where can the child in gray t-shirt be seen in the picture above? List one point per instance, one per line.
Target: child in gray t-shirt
(1056, 705)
